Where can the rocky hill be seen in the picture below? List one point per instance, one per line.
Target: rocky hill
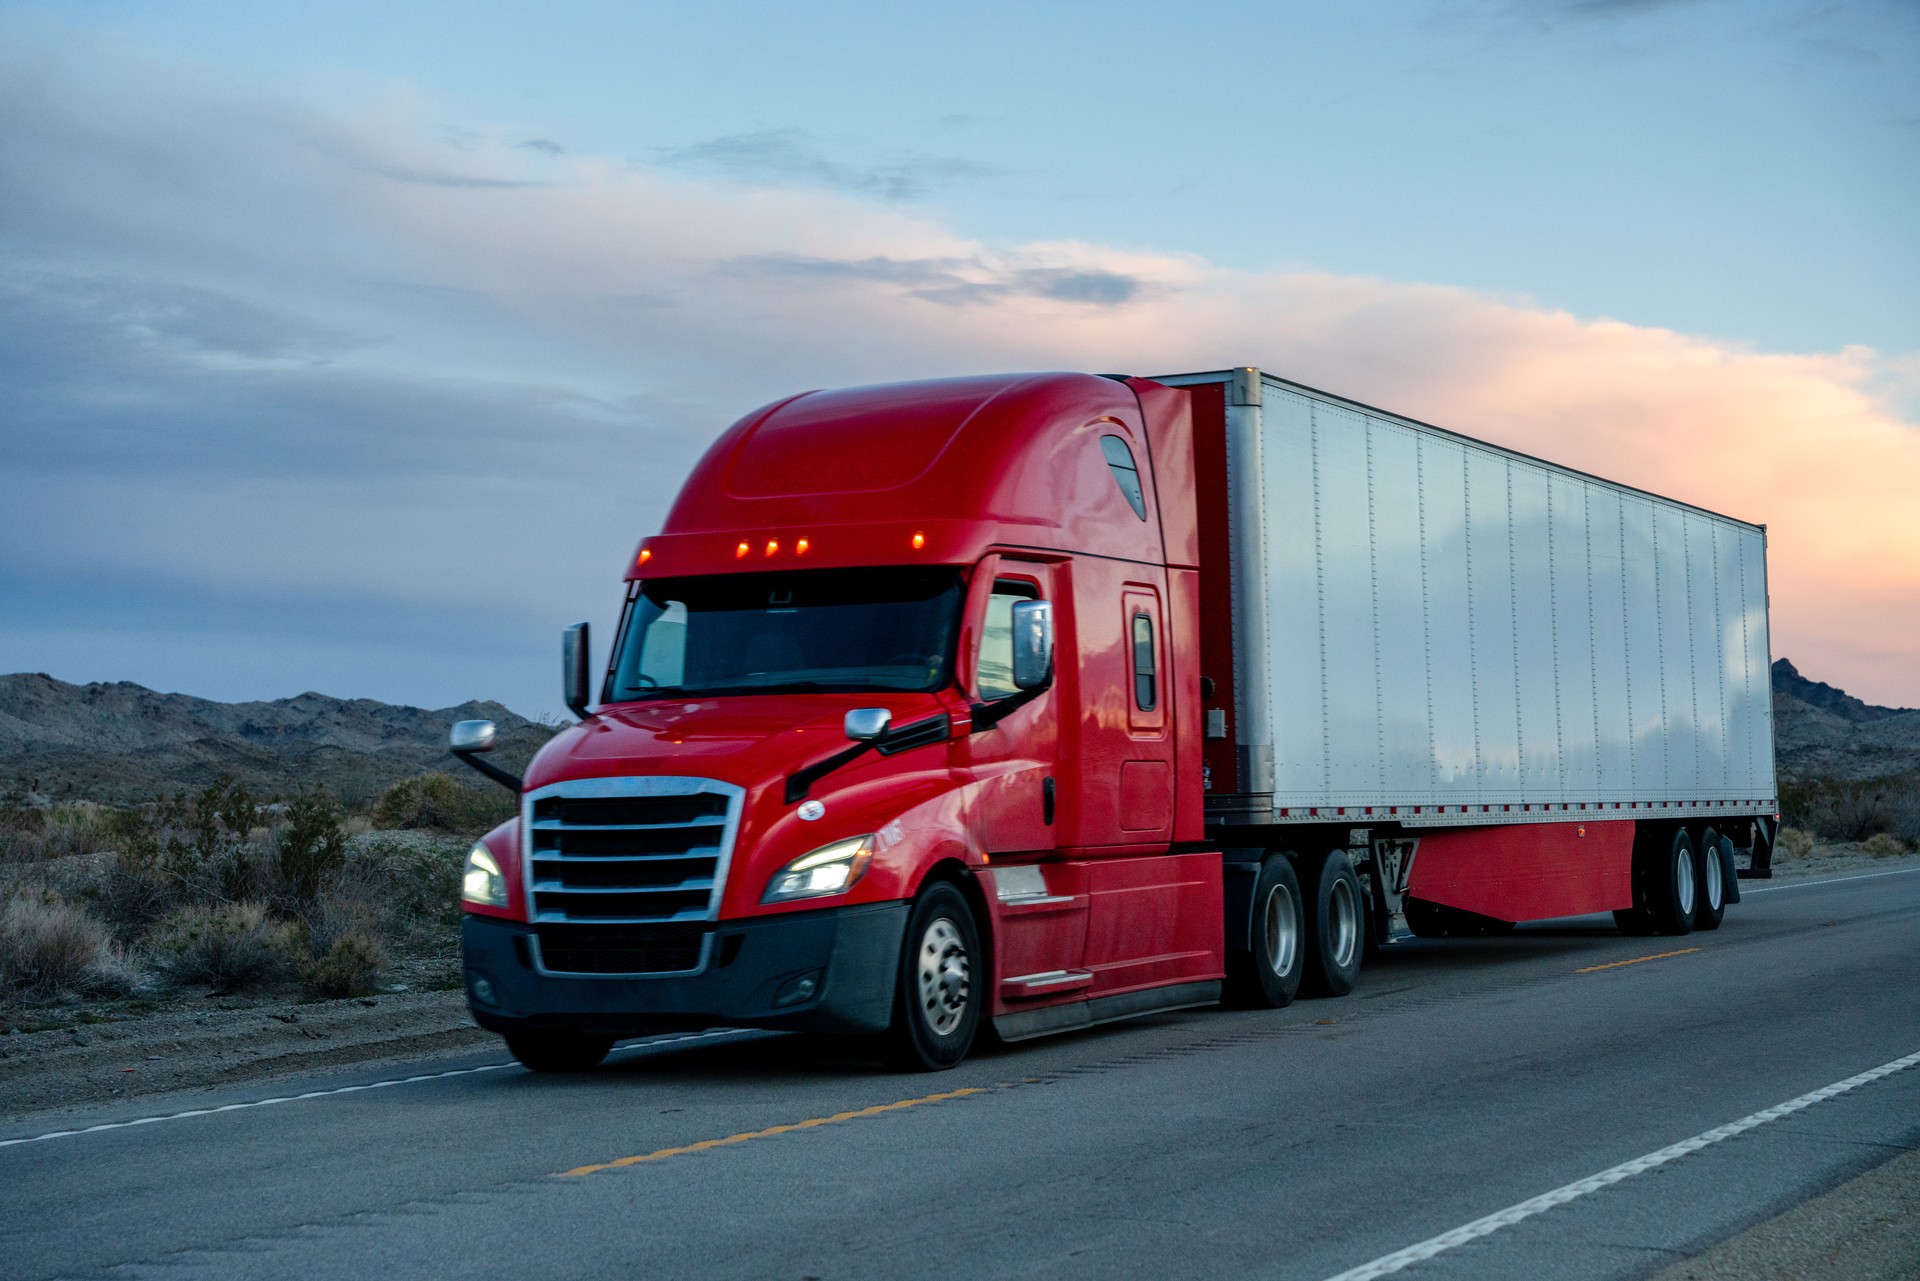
(124, 742)
(1823, 732)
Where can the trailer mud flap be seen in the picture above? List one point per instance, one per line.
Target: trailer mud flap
(1729, 875)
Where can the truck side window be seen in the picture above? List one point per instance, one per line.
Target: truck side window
(1125, 473)
(995, 670)
(1145, 693)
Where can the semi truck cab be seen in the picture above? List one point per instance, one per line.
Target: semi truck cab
(900, 731)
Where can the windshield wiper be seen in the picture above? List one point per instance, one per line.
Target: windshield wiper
(931, 729)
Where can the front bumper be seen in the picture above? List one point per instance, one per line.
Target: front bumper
(754, 974)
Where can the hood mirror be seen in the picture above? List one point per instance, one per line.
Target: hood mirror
(471, 736)
(1032, 644)
(865, 724)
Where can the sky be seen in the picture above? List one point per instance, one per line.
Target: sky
(353, 348)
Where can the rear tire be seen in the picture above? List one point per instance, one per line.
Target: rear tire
(1710, 906)
(1338, 921)
(1268, 976)
(558, 1050)
(1666, 889)
(938, 990)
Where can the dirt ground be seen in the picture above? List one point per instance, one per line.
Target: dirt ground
(61, 1059)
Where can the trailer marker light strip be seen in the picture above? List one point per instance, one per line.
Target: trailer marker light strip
(811, 1123)
(1614, 965)
(1390, 1263)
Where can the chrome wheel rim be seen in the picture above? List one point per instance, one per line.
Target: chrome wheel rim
(945, 974)
(1714, 887)
(1683, 879)
(1343, 923)
(1283, 930)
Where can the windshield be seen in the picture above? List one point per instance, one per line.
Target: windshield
(824, 629)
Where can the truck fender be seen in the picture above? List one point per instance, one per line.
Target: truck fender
(1239, 869)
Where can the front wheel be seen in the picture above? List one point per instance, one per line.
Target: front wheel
(558, 1050)
(937, 997)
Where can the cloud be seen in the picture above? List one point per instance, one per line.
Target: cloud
(794, 157)
(242, 363)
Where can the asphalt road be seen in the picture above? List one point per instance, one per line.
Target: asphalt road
(1462, 1079)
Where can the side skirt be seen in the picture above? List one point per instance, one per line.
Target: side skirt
(1024, 1025)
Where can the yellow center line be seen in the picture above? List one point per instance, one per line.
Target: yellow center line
(810, 1124)
(1657, 956)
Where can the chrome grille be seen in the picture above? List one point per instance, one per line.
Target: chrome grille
(629, 850)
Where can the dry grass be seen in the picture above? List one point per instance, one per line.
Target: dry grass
(49, 948)
(1882, 845)
(440, 802)
(1795, 842)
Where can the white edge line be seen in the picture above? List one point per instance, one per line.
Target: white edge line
(1831, 880)
(339, 1090)
(1513, 1214)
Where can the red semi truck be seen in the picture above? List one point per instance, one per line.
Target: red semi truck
(1044, 700)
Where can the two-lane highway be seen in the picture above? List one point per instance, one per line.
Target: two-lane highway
(1562, 1102)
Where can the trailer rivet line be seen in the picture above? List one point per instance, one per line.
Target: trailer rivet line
(1614, 965)
(1399, 1259)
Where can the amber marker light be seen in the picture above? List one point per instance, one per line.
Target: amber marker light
(800, 547)
(773, 546)
(740, 552)
(644, 557)
(919, 540)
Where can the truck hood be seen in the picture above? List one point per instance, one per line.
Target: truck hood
(743, 739)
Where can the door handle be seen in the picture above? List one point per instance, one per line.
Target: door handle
(1046, 800)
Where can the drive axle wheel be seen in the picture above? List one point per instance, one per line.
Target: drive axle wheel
(558, 1050)
(1337, 922)
(1267, 976)
(937, 998)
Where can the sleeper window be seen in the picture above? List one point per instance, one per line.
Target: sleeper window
(1125, 473)
(1146, 695)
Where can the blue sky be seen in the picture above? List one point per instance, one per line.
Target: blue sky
(353, 348)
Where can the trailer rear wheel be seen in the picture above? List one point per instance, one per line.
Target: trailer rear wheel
(936, 1004)
(558, 1050)
(1268, 975)
(1336, 923)
(1716, 855)
(1665, 887)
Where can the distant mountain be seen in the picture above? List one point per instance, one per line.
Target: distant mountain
(124, 742)
(1820, 731)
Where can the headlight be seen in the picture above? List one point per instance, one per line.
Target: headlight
(481, 882)
(831, 869)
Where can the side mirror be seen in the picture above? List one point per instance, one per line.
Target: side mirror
(865, 724)
(471, 736)
(1032, 644)
(573, 668)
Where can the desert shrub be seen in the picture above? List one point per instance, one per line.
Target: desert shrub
(442, 803)
(310, 847)
(69, 831)
(49, 947)
(1881, 845)
(1795, 842)
(348, 968)
(1854, 811)
(184, 850)
(231, 947)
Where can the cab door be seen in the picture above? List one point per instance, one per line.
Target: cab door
(1039, 902)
